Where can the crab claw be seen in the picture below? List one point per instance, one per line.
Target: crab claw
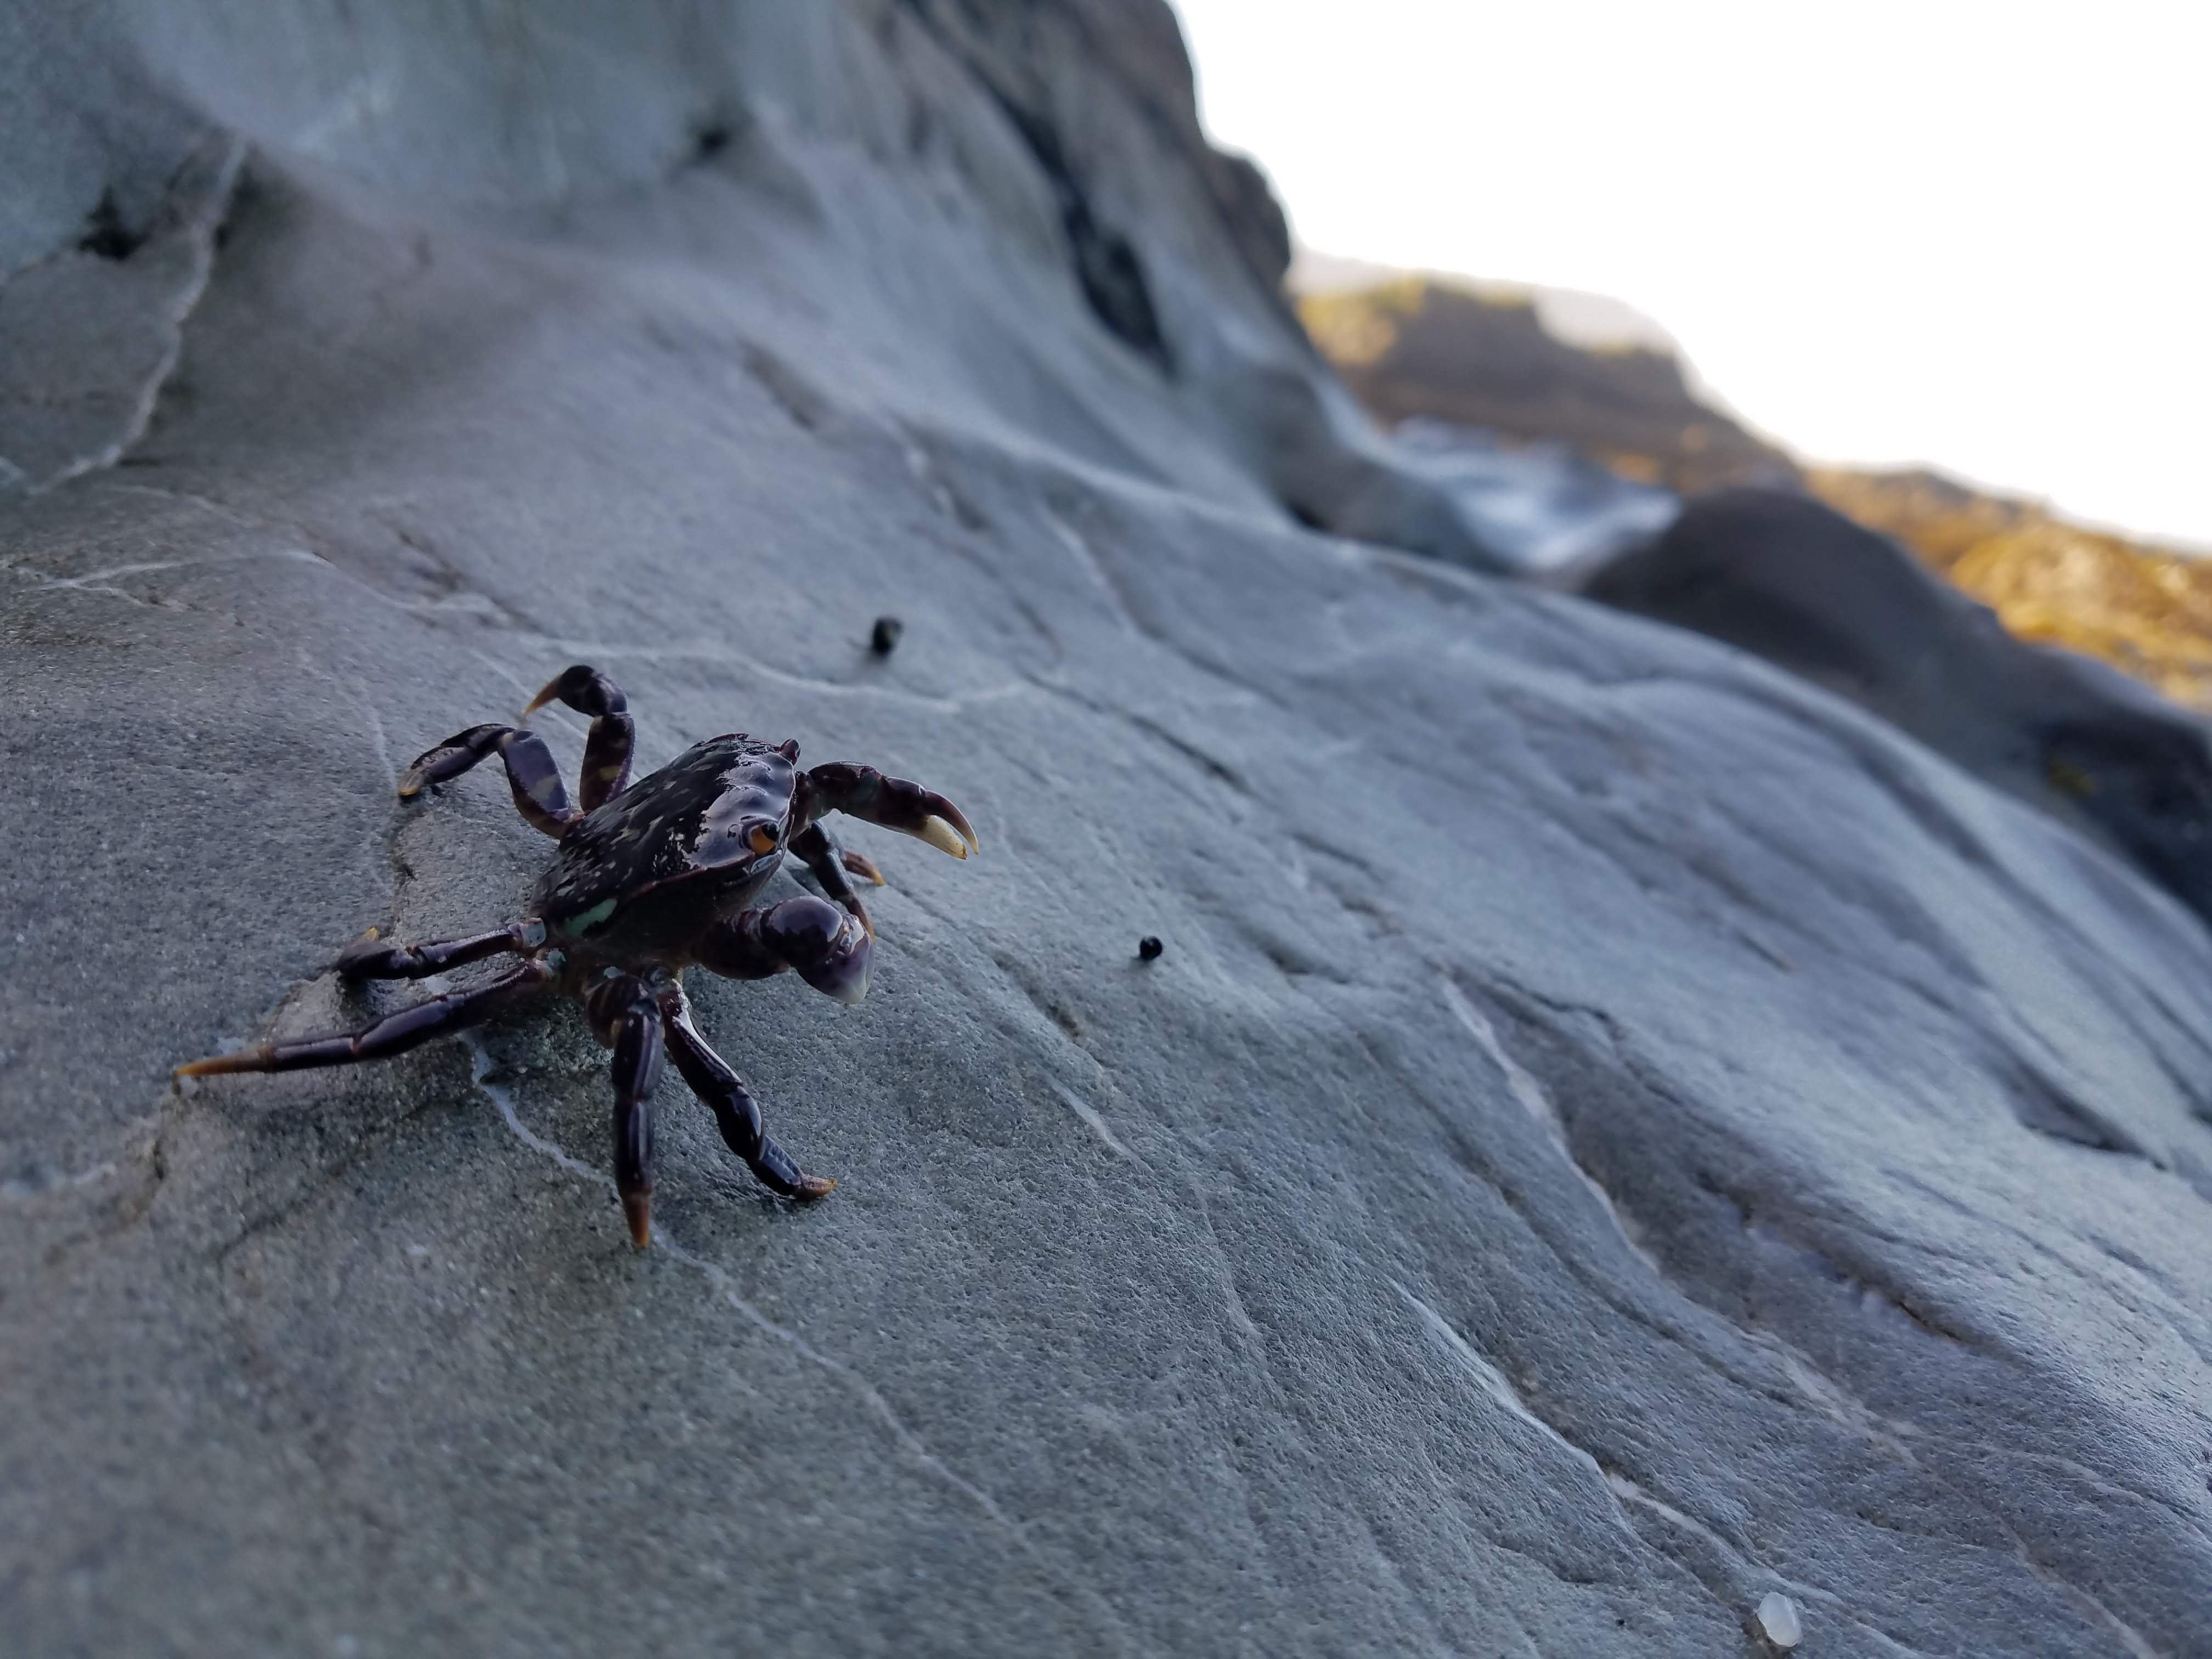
(583, 688)
(864, 793)
(828, 946)
(859, 864)
(947, 833)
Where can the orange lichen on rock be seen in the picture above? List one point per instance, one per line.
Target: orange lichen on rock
(2146, 610)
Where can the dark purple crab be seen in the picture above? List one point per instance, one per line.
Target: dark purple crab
(651, 878)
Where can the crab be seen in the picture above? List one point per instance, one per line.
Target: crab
(650, 878)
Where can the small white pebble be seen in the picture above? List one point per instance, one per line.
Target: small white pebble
(1778, 1617)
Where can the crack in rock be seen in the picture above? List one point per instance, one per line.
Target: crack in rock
(1525, 1089)
(90, 338)
(482, 1067)
(1623, 1491)
(1084, 1110)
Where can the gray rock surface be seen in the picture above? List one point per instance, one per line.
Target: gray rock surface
(1780, 574)
(1617, 1133)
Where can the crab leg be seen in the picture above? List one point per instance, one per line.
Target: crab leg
(395, 1034)
(607, 748)
(736, 1112)
(637, 1073)
(531, 773)
(372, 956)
(829, 862)
(828, 947)
(896, 804)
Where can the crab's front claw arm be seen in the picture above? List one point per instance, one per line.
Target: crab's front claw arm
(613, 734)
(826, 946)
(896, 804)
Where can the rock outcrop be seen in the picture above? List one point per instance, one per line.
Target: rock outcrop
(1623, 1152)
(1478, 371)
(1799, 584)
(2145, 609)
(1417, 349)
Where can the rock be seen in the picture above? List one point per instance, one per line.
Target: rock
(1415, 349)
(1621, 1132)
(1548, 511)
(2142, 607)
(1780, 575)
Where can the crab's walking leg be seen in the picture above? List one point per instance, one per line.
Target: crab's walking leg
(828, 947)
(371, 957)
(531, 773)
(735, 1110)
(605, 770)
(394, 1034)
(637, 1071)
(819, 851)
(896, 804)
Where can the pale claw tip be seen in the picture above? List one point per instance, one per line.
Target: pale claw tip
(943, 836)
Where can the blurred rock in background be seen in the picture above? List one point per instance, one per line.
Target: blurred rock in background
(2146, 610)
(1414, 347)
(1493, 358)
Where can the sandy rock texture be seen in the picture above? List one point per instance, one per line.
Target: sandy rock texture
(1617, 1135)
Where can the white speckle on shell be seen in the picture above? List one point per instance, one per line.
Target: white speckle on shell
(1778, 1617)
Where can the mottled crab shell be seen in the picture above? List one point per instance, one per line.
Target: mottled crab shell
(695, 819)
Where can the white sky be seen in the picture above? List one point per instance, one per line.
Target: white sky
(1974, 235)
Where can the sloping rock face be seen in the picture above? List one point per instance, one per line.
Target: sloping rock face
(1617, 1134)
(1802, 585)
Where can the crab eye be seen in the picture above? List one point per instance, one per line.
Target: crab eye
(763, 838)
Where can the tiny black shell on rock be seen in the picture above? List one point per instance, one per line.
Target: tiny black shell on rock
(1150, 947)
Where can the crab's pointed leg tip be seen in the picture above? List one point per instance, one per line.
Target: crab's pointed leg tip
(637, 1209)
(810, 1187)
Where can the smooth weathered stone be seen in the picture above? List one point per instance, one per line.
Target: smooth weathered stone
(1620, 1132)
